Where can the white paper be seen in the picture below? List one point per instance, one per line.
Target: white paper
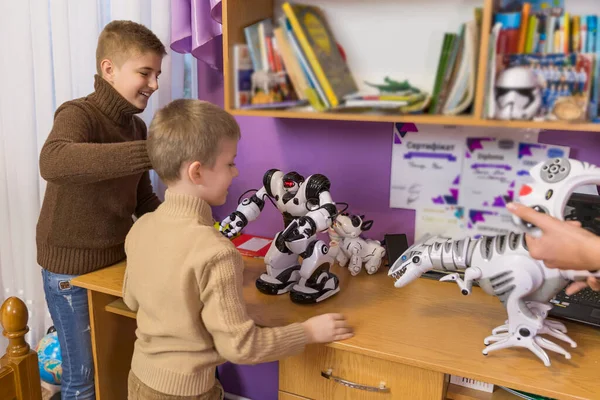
(448, 221)
(254, 244)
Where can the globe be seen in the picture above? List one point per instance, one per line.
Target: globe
(50, 359)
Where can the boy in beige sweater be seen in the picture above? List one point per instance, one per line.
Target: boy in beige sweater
(184, 278)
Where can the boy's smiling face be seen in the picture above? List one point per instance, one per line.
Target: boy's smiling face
(136, 78)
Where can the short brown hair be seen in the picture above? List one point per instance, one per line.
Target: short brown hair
(188, 130)
(121, 39)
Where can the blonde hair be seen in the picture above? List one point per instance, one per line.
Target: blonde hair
(122, 39)
(188, 130)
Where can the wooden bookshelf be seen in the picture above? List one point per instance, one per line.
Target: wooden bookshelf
(238, 14)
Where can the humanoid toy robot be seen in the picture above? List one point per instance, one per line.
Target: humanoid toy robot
(503, 267)
(307, 209)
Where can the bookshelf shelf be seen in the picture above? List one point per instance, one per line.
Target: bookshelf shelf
(238, 14)
(463, 120)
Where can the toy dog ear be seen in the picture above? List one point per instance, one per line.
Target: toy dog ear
(366, 225)
(355, 221)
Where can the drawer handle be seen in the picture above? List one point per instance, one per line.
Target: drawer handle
(380, 389)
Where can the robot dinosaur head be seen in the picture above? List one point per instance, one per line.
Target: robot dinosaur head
(413, 263)
(292, 181)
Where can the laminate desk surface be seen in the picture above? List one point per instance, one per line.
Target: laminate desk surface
(427, 324)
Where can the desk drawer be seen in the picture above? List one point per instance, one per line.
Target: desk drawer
(303, 375)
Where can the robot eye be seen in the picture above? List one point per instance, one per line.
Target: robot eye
(416, 259)
(355, 221)
(288, 184)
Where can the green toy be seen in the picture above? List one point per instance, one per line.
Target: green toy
(392, 86)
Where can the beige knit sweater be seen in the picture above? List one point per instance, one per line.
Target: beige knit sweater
(184, 279)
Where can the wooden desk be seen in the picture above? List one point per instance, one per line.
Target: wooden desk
(409, 338)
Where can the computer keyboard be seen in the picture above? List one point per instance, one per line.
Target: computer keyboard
(585, 296)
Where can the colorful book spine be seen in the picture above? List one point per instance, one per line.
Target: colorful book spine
(311, 57)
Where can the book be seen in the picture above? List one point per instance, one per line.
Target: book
(251, 245)
(291, 63)
(242, 65)
(321, 50)
(254, 45)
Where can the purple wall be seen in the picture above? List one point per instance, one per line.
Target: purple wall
(356, 157)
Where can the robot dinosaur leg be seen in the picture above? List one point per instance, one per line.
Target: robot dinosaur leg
(316, 282)
(551, 328)
(283, 269)
(524, 325)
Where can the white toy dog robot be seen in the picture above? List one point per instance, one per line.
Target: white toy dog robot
(503, 267)
(307, 209)
(347, 245)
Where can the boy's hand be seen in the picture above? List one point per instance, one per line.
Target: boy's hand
(327, 328)
(563, 244)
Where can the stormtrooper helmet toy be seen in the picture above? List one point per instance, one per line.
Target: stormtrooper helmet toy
(518, 94)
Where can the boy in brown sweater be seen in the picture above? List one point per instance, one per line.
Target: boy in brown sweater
(184, 278)
(96, 165)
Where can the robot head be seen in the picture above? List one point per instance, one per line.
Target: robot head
(518, 94)
(413, 263)
(292, 181)
(351, 226)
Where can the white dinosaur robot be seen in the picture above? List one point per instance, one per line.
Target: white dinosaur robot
(347, 245)
(307, 209)
(503, 267)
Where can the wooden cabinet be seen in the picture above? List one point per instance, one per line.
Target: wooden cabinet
(288, 396)
(326, 373)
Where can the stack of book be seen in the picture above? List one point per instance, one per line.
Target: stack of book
(456, 77)
(291, 63)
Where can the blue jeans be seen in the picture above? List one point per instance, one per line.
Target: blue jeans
(69, 311)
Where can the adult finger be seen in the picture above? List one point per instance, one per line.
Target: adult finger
(575, 287)
(594, 283)
(528, 214)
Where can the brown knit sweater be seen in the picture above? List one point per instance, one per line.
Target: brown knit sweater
(184, 279)
(96, 165)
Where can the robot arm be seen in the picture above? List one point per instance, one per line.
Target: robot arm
(322, 217)
(248, 210)
(299, 232)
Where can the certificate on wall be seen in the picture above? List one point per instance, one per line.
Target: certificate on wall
(488, 173)
(427, 165)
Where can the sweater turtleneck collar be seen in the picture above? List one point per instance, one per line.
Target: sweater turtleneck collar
(111, 103)
(184, 205)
